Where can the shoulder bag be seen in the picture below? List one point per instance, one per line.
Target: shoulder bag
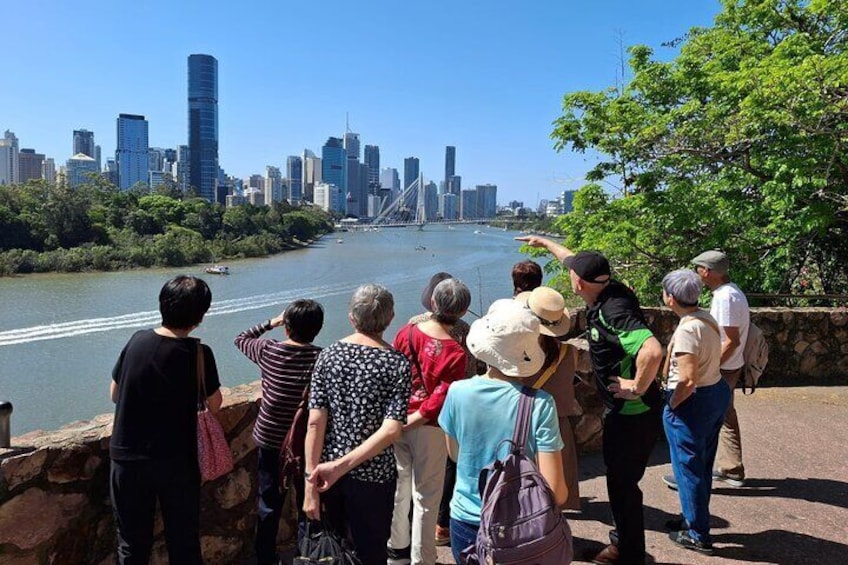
(213, 451)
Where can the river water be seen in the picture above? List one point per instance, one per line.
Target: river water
(60, 334)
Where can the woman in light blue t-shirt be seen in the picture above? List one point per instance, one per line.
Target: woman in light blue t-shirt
(480, 412)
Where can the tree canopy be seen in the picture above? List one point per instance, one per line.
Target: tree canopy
(737, 143)
(48, 227)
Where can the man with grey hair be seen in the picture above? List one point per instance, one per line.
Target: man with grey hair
(730, 309)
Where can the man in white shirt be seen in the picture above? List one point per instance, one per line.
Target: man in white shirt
(729, 307)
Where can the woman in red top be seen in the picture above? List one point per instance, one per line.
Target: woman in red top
(437, 360)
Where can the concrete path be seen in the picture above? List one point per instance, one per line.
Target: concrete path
(794, 509)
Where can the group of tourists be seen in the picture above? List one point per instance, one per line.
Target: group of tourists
(398, 433)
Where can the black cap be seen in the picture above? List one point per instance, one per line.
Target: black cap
(589, 266)
(427, 295)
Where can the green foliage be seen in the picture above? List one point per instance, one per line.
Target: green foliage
(738, 143)
(47, 228)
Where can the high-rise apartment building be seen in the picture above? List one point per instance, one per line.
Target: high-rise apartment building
(334, 165)
(448, 209)
(450, 166)
(468, 205)
(273, 185)
(487, 200)
(9, 159)
(389, 179)
(183, 165)
(294, 179)
(351, 145)
(110, 171)
(410, 175)
(328, 197)
(311, 174)
(84, 143)
(48, 170)
(78, 169)
(372, 161)
(431, 201)
(203, 124)
(454, 185)
(132, 154)
(30, 165)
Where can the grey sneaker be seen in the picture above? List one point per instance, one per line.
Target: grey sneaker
(729, 479)
(670, 481)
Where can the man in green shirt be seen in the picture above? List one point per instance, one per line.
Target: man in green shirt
(625, 359)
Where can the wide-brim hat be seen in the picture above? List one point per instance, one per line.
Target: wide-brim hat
(507, 338)
(549, 306)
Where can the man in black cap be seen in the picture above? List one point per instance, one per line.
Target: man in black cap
(625, 359)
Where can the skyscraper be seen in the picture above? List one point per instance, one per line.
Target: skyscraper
(48, 170)
(203, 124)
(351, 145)
(334, 165)
(84, 143)
(30, 165)
(450, 166)
(372, 161)
(273, 185)
(431, 201)
(389, 179)
(311, 174)
(132, 153)
(9, 159)
(410, 175)
(79, 167)
(294, 178)
(487, 196)
(183, 166)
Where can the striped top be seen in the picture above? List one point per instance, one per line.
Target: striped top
(286, 371)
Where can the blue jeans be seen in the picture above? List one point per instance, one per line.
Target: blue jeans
(462, 534)
(692, 430)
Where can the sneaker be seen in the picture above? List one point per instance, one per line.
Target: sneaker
(676, 524)
(670, 481)
(684, 540)
(442, 536)
(729, 479)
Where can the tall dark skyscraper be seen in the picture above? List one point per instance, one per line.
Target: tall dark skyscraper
(410, 175)
(84, 143)
(372, 161)
(203, 124)
(450, 167)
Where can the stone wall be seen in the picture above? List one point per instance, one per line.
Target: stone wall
(54, 494)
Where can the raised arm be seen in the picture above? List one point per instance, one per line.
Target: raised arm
(555, 249)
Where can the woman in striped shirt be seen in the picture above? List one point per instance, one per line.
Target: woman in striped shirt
(286, 369)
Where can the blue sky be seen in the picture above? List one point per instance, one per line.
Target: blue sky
(414, 76)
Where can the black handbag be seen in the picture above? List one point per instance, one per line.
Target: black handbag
(320, 545)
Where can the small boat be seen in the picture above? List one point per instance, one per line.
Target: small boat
(218, 270)
(339, 240)
(477, 231)
(420, 248)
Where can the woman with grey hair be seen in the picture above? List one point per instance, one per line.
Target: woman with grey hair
(437, 360)
(357, 409)
(697, 398)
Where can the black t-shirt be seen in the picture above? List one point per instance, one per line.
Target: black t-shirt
(156, 409)
(617, 330)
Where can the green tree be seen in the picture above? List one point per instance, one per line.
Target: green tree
(737, 143)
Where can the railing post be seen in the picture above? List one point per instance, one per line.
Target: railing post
(5, 424)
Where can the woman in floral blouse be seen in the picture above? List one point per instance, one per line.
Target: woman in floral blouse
(358, 404)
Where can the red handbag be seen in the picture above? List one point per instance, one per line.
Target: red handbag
(213, 451)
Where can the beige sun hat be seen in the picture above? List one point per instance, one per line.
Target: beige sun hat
(549, 306)
(507, 338)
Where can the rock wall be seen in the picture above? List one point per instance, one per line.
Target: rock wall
(54, 493)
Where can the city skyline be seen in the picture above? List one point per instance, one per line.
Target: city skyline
(492, 91)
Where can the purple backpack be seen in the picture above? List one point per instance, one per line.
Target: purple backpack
(520, 523)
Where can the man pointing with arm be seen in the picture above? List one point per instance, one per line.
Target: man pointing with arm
(625, 359)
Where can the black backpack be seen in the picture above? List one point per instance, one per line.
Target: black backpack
(321, 546)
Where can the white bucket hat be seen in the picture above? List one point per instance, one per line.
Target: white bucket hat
(549, 306)
(507, 338)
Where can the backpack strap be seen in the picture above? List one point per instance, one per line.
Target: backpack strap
(549, 372)
(522, 422)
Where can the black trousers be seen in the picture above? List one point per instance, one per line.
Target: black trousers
(136, 486)
(447, 493)
(362, 512)
(628, 442)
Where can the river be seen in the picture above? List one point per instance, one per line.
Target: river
(60, 334)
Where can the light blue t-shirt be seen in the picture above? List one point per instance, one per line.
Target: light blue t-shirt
(479, 413)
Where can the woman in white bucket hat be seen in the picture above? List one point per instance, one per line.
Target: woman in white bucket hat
(480, 412)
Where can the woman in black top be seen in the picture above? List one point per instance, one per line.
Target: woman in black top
(154, 440)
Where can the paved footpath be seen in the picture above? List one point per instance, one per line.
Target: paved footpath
(794, 509)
